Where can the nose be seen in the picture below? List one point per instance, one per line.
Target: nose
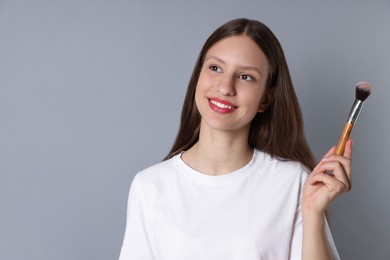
(226, 86)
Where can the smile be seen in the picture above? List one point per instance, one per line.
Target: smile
(220, 105)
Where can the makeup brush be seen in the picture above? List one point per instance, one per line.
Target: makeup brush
(363, 90)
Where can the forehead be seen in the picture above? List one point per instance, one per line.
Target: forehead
(240, 50)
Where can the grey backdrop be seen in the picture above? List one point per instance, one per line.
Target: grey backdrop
(91, 93)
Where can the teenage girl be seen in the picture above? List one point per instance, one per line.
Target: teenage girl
(240, 182)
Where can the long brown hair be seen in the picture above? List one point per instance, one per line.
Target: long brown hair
(277, 131)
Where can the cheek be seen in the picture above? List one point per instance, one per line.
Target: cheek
(199, 96)
(254, 98)
(202, 87)
(204, 83)
(197, 99)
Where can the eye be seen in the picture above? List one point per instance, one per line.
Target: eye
(215, 68)
(246, 77)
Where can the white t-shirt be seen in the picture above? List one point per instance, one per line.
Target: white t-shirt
(177, 213)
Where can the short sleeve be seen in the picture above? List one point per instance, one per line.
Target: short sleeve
(296, 241)
(138, 241)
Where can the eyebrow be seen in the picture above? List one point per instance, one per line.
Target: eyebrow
(241, 67)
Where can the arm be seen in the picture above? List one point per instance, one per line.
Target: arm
(320, 190)
(315, 243)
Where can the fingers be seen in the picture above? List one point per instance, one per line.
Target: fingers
(329, 153)
(345, 162)
(341, 172)
(333, 185)
(348, 149)
(322, 188)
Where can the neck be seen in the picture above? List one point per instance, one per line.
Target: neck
(218, 152)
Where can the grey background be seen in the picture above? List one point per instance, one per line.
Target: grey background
(91, 93)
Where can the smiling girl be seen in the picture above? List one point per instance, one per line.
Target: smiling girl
(240, 181)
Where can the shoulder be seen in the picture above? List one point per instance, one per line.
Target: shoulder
(155, 170)
(155, 175)
(280, 166)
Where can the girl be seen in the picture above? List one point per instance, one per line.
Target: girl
(236, 184)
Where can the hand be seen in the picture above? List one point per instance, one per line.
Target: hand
(330, 178)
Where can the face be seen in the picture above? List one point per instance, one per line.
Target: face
(231, 88)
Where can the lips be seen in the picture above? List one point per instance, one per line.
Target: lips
(221, 106)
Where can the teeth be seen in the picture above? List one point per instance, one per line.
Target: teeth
(221, 105)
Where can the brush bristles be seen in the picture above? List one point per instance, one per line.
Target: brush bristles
(363, 90)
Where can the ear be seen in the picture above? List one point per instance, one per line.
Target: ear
(267, 99)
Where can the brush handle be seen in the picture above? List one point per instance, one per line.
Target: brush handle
(344, 138)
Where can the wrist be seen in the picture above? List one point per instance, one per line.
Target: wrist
(311, 210)
(314, 218)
